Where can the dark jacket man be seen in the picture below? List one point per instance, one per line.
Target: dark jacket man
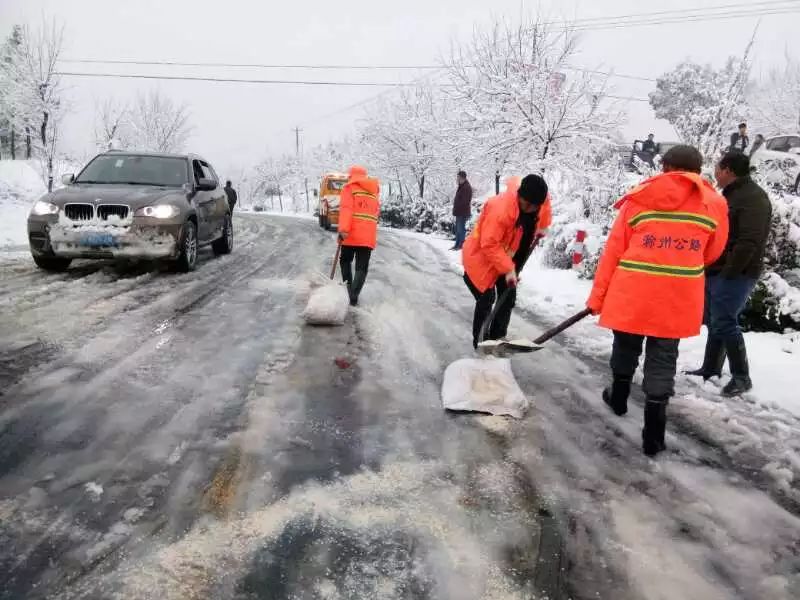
(649, 145)
(750, 215)
(462, 209)
(731, 279)
(232, 195)
(462, 203)
(740, 140)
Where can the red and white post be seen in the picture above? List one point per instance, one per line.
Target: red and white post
(578, 248)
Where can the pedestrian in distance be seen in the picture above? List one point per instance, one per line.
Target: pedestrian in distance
(462, 209)
(359, 211)
(731, 279)
(649, 145)
(496, 251)
(650, 281)
(231, 194)
(740, 140)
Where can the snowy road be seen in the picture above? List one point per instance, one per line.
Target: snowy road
(185, 436)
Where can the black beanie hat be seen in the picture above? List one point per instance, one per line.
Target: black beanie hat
(533, 189)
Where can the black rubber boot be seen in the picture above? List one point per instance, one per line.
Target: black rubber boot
(740, 369)
(713, 361)
(358, 283)
(655, 424)
(616, 396)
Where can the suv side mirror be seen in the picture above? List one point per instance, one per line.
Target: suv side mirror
(68, 178)
(206, 185)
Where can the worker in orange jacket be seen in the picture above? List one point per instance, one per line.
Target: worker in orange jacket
(497, 249)
(359, 211)
(650, 281)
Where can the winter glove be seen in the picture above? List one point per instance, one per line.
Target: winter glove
(594, 308)
(343, 236)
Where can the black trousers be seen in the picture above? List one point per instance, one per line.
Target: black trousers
(361, 254)
(484, 301)
(660, 361)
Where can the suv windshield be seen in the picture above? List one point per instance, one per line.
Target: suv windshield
(135, 170)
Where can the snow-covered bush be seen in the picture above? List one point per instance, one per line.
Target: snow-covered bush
(556, 254)
(775, 303)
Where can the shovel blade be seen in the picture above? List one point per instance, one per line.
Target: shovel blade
(507, 348)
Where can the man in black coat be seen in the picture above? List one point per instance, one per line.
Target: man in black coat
(232, 195)
(462, 209)
(740, 140)
(731, 279)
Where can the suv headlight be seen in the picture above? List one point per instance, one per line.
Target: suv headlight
(159, 211)
(41, 208)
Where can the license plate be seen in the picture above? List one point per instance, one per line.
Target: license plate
(97, 240)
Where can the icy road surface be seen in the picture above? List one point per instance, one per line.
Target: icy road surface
(187, 437)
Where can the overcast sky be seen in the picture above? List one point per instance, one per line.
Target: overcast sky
(237, 124)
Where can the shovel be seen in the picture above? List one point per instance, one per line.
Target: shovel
(336, 259)
(517, 346)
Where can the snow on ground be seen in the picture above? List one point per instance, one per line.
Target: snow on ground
(762, 427)
(553, 295)
(20, 186)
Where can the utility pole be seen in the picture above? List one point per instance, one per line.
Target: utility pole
(297, 131)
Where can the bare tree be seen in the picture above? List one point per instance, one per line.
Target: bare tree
(112, 124)
(517, 102)
(9, 58)
(703, 103)
(775, 101)
(157, 124)
(32, 91)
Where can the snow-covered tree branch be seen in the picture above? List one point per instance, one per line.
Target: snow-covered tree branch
(704, 103)
(157, 124)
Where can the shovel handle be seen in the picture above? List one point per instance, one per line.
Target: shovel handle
(562, 326)
(336, 259)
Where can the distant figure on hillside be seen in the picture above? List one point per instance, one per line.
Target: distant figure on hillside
(740, 140)
(649, 145)
(232, 195)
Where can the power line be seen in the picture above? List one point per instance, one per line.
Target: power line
(169, 63)
(309, 66)
(229, 80)
(687, 19)
(709, 10)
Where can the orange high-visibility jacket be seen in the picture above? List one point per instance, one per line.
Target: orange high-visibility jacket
(360, 209)
(650, 279)
(489, 250)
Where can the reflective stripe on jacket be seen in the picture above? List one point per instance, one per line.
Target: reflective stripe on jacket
(359, 212)
(650, 279)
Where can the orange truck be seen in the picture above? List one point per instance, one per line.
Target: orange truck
(330, 190)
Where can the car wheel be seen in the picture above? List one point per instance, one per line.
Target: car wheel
(321, 220)
(54, 264)
(187, 259)
(328, 225)
(224, 245)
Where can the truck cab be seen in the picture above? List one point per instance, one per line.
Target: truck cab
(330, 190)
